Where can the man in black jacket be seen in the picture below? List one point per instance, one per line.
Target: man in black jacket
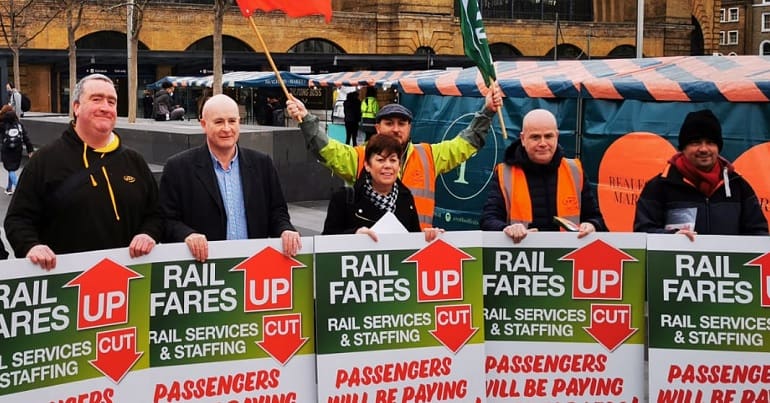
(699, 191)
(352, 109)
(86, 190)
(221, 191)
(165, 107)
(538, 188)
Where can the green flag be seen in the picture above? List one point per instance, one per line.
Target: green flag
(475, 39)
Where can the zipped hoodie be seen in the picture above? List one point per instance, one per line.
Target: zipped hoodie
(105, 208)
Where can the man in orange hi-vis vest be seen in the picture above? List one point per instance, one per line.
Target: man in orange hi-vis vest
(539, 189)
(420, 163)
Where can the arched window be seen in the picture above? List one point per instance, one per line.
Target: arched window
(567, 51)
(105, 40)
(229, 44)
(316, 45)
(764, 48)
(696, 38)
(622, 51)
(425, 50)
(503, 51)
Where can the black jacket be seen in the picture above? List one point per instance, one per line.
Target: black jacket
(163, 104)
(352, 108)
(542, 182)
(191, 201)
(11, 157)
(346, 214)
(82, 218)
(720, 214)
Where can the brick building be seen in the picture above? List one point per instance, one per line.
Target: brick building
(744, 27)
(374, 34)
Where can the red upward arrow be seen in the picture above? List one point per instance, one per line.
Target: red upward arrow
(597, 271)
(267, 284)
(454, 326)
(764, 277)
(439, 272)
(103, 294)
(116, 353)
(282, 336)
(610, 324)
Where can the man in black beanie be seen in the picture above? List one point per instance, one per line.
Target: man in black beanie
(699, 190)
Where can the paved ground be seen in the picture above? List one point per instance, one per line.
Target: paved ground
(308, 216)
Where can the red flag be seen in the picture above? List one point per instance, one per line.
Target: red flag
(292, 8)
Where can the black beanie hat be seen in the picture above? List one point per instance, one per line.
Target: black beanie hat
(700, 125)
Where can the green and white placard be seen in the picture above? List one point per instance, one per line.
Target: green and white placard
(399, 320)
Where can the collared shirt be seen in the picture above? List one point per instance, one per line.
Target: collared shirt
(231, 190)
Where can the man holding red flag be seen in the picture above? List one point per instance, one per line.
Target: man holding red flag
(420, 163)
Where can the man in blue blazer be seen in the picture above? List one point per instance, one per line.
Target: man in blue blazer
(221, 191)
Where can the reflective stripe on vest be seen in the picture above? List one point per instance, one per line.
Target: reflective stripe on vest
(569, 186)
(419, 175)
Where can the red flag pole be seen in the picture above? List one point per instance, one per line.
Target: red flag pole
(270, 59)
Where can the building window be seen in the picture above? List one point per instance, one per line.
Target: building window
(316, 45)
(544, 10)
(732, 37)
(765, 22)
(722, 15)
(732, 14)
(722, 38)
(764, 48)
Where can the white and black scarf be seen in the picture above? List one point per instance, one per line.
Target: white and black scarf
(383, 202)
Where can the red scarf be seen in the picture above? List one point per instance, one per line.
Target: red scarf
(705, 182)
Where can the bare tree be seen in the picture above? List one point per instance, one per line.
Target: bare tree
(20, 23)
(220, 7)
(134, 18)
(73, 15)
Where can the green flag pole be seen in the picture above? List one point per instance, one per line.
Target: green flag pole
(477, 47)
(500, 116)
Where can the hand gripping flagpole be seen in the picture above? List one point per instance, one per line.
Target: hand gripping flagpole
(500, 111)
(272, 63)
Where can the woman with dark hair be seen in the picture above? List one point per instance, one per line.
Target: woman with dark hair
(376, 192)
(13, 137)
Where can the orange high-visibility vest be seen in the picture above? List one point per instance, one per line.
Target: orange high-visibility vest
(419, 175)
(569, 185)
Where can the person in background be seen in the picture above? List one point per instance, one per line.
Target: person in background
(274, 112)
(222, 191)
(277, 113)
(14, 99)
(369, 109)
(165, 106)
(352, 109)
(538, 187)
(699, 191)
(14, 139)
(205, 95)
(86, 190)
(376, 192)
(420, 163)
(147, 105)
